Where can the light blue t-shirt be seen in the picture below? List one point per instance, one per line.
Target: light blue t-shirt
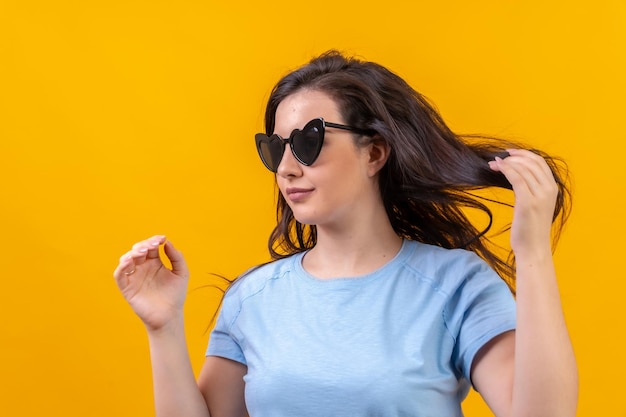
(396, 342)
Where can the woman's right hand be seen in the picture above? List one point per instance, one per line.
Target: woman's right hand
(154, 292)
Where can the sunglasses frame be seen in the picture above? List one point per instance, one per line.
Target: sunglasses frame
(321, 125)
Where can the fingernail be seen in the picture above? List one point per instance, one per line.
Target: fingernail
(143, 250)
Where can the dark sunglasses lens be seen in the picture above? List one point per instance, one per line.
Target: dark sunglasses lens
(270, 150)
(307, 144)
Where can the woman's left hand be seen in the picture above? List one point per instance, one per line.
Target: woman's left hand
(535, 199)
(534, 372)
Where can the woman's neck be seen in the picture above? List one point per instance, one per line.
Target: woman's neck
(352, 252)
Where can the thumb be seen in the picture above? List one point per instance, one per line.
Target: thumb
(179, 266)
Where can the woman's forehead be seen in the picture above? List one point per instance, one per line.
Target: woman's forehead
(299, 108)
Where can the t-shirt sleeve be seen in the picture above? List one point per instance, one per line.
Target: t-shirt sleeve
(481, 308)
(222, 342)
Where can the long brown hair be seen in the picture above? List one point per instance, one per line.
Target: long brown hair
(431, 176)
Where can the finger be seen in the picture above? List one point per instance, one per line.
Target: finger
(139, 253)
(147, 249)
(530, 193)
(125, 268)
(536, 172)
(126, 263)
(513, 174)
(543, 169)
(153, 246)
(528, 167)
(179, 266)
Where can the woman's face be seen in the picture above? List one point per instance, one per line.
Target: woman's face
(336, 187)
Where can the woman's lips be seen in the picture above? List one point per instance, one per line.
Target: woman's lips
(298, 194)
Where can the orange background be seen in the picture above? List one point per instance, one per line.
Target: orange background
(123, 119)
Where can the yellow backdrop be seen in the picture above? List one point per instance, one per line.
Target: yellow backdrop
(123, 119)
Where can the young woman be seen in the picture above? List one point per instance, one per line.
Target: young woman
(383, 299)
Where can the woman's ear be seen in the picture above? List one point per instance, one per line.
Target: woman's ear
(378, 153)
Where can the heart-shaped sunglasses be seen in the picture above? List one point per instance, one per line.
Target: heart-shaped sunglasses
(305, 144)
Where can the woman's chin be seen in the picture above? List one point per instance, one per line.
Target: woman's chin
(306, 218)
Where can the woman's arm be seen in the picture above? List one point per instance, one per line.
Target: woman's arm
(532, 371)
(222, 385)
(157, 296)
(176, 392)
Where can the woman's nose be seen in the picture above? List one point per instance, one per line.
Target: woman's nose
(289, 165)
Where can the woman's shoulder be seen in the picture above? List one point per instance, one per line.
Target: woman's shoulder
(436, 257)
(256, 278)
(446, 269)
